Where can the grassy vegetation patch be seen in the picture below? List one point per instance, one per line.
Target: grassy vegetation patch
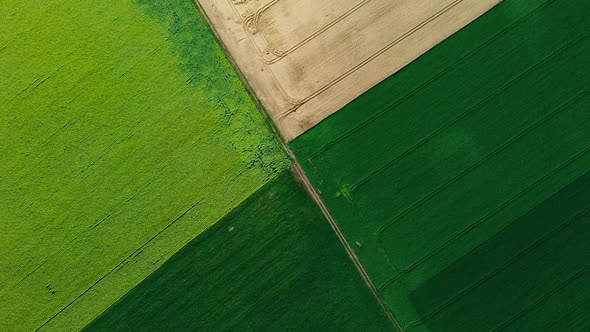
(125, 133)
(273, 264)
(442, 156)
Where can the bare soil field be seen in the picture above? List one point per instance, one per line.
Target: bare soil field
(306, 59)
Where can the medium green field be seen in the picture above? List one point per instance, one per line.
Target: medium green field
(273, 264)
(125, 133)
(456, 174)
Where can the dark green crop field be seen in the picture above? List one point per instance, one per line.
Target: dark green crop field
(462, 176)
(124, 133)
(273, 264)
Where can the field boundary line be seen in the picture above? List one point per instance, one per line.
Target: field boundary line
(502, 267)
(117, 267)
(487, 216)
(134, 254)
(298, 171)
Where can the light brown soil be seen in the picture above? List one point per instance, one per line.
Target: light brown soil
(306, 59)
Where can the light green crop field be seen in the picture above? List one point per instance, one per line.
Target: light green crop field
(124, 134)
(464, 177)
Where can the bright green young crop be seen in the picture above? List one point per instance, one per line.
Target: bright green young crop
(124, 134)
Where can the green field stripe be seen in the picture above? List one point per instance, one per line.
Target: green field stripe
(544, 221)
(396, 294)
(273, 263)
(513, 288)
(426, 317)
(565, 309)
(545, 297)
(486, 217)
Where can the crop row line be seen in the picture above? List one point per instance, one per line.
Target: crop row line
(502, 267)
(543, 298)
(434, 252)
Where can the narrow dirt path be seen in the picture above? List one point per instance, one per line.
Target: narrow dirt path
(300, 173)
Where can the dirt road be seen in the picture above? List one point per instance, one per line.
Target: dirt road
(300, 173)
